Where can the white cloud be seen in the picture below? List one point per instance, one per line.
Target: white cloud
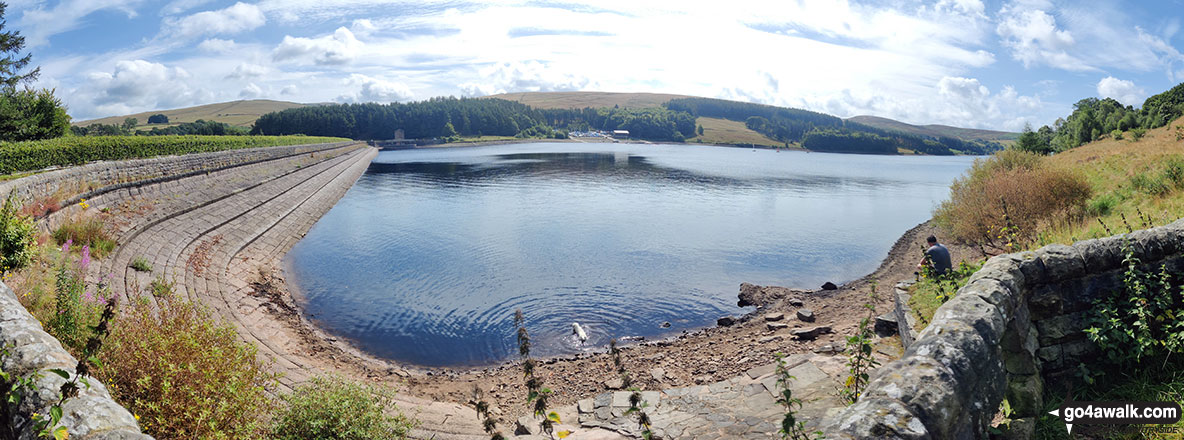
(38, 25)
(247, 71)
(216, 45)
(528, 76)
(178, 6)
(135, 85)
(290, 89)
(1034, 38)
(1121, 90)
(339, 48)
(237, 18)
(376, 90)
(251, 91)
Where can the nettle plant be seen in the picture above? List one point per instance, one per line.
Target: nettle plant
(862, 360)
(537, 393)
(636, 406)
(1140, 324)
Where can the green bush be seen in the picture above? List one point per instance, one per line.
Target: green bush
(1140, 324)
(184, 374)
(1101, 205)
(16, 238)
(1116, 134)
(332, 407)
(1151, 184)
(1173, 170)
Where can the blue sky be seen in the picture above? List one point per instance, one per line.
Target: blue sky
(992, 64)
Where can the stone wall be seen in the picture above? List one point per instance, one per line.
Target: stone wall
(1015, 326)
(32, 351)
(69, 185)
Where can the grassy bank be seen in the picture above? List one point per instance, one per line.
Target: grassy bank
(1018, 201)
(69, 151)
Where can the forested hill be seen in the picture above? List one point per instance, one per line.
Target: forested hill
(675, 121)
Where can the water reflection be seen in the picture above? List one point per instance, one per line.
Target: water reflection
(427, 257)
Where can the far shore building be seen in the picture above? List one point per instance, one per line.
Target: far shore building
(622, 134)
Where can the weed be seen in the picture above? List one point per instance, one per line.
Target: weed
(332, 407)
(537, 394)
(636, 406)
(185, 374)
(861, 361)
(161, 288)
(1140, 324)
(140, 264)
(488, 423)
(791, 428)
(89, 231)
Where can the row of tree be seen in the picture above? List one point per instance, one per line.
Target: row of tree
(448, 117)
(1093, 118)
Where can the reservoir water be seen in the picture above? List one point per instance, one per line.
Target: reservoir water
(426, 258)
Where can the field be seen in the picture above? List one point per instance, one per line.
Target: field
(588, 99)
(239, 113)
(69, 151)
(935, 130)
(724, 131)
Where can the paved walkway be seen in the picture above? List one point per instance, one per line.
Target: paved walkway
(742, 407)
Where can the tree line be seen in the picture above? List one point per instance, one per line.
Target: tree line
(447, 117)
(1094, 118)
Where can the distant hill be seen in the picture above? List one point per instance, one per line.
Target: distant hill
(577, 100)
(238, 113)
(934, 130)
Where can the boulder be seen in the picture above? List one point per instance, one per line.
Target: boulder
(829, 286)
(726, 321)
(806, 315)
(760, 296)
(809, 334)
(774, 316)
(615, 383)
(774, 326)
(658, 374)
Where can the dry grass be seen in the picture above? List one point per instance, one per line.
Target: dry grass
(935, 130)
(588, 99)
(239, 113)
(1123, 174)
(723, 131)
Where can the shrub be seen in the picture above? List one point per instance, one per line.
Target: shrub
(16, 238)
(1116, 134)
(1141, 323)
(90, 232)
(1101, 205)
(1012, 192)
(1173, 170)
(1137, 133)
(1150, 184)
(140, 264)
(332, 407)
(184, 374)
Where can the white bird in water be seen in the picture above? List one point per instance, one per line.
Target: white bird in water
(577, 330)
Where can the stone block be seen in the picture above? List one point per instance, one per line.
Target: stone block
(877, 418)
(1025, 394)
(1101, 254)
(1061, 262)
(972, 310)
(1061, 328)
(1019, 363)
(1045, 301)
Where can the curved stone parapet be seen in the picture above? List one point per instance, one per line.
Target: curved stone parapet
(33, 352)
(1015, 325)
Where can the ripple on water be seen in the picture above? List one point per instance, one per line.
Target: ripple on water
(429, 254)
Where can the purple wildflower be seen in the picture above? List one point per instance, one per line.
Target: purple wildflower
(85, 261)
(66, 247)
(88, 296)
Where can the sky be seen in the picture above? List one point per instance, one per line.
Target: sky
(968, 63)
